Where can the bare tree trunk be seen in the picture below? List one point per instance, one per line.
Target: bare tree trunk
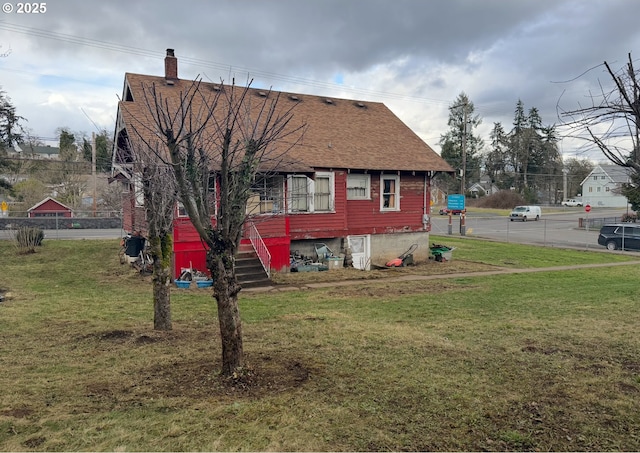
(226, 289)
(161, 251)
(214, 136)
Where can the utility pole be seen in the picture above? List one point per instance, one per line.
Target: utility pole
(93, 171)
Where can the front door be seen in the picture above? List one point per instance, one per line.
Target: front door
(360, 251)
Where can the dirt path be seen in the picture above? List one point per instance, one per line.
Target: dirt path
(418, 277)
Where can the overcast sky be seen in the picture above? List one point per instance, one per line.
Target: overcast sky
(65, 67)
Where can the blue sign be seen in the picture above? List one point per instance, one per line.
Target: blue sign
(455, 202)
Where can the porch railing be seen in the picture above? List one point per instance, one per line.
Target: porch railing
(260, 248)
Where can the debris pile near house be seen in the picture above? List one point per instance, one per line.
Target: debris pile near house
(441, 253)
(324, 260)
(188, 275)
(301, 263)
(134, 249)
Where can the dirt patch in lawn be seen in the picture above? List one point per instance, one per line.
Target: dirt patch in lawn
(429, 267)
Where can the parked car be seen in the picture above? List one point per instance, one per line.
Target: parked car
(620, 236)
(572, 202)
(525, 213)
(445, 211)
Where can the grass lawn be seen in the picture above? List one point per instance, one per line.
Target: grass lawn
(534, 361)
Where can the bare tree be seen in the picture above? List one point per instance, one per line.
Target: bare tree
(157, 185)
(159, 202)
(612, 119)
(217, 141)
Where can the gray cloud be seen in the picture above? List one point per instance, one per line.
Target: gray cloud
(414, 55)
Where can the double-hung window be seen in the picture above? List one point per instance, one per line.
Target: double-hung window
(323, 192)
(299, 189)
(358, 187)
(311, 195)
(389, 193)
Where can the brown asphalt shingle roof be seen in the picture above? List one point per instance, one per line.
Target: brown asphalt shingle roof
(342, 133)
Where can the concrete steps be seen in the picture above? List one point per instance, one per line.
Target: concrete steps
(249, 270)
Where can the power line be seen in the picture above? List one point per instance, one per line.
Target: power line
(99, 44)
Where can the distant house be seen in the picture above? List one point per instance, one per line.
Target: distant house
(362, 179)
(482, 188)
(602, 186)
(26, 150)
(50, 208)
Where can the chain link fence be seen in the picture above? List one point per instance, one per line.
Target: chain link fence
(58, 221)
(549, 231)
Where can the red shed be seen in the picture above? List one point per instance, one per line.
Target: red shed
(362, 181)
(49, 208)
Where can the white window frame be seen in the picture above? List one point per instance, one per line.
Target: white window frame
(290, 207)
(359, 177)
(332, 192)
(396, 205)
(311, 193)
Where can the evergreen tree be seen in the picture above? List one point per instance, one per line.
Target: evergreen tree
(495, 163)
(10, 132)
(10, 128)
(459, 146)
(103, 151)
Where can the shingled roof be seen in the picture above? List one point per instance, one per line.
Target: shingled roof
(339, 133)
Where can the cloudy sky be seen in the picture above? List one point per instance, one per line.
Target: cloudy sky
(64, 67)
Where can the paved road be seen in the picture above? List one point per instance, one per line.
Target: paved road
(553, 229)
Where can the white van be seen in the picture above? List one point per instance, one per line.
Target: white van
(525, 213)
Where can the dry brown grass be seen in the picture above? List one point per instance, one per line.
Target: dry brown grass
(541, 361)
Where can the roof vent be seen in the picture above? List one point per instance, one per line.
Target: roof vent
(294, 97)
(328, 101)
(361, 105)
(170, 82)
(216, 88)
(262, 94)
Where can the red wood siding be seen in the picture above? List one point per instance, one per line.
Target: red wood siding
(364, 216)
(315, 225)
(350, 217)
(279, 248)
(270, 226)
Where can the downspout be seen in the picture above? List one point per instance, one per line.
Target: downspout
(426, 224)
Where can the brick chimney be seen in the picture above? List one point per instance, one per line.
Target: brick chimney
(170, 66)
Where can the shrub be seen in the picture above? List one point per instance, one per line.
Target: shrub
(631, 218)
(28, 238)
(504, 199)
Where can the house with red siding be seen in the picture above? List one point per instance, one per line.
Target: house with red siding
(362, 180)
(50, 208)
